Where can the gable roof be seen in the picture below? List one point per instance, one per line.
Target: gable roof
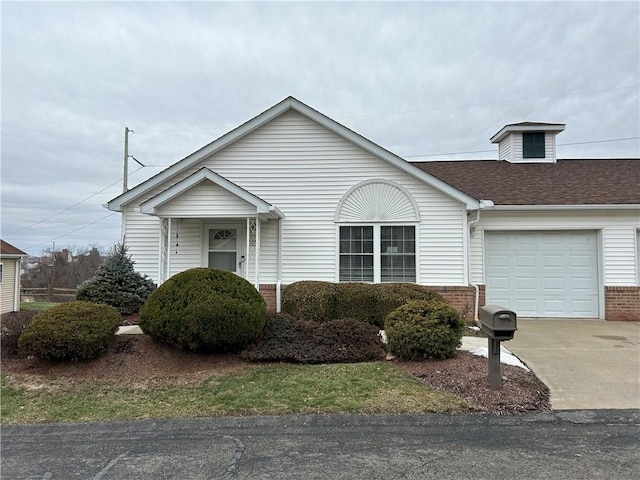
(151, 206)
(567, 182)
(8, 250)
(289, 103)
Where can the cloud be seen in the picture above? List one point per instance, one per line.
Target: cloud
(417, 78)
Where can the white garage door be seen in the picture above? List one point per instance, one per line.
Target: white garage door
(543, 274)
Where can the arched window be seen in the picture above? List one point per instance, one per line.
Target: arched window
(377, 233)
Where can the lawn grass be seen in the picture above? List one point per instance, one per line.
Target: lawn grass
(36, 305)
(269, 389)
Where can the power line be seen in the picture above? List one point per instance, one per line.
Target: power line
(497, 102)
(73, 231)
(72, 206)
(493, 150)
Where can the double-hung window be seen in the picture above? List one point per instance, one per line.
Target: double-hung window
(377, 253)
(356, 254)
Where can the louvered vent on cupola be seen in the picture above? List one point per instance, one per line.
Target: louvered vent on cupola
(528, 142)
(377, 201)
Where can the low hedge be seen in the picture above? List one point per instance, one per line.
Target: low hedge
(285, 339)
(324, 301)
(422, 329)
(70, 331)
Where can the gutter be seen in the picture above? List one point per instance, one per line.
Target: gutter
(599, 206)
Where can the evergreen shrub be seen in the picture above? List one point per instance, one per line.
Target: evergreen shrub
(116, 283)
(12, 324)
(324, 301)
(310, 300)
(285, 339)
(204, 309)
(422, 329)
(70, 331)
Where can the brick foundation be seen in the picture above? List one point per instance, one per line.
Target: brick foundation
(462, 298)
(268, 292)
(622, 303)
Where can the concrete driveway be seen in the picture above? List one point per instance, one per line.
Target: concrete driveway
(587, 364)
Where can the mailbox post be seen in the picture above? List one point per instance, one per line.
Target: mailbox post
(499, 324)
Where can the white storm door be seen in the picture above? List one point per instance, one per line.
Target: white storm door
(224, 247)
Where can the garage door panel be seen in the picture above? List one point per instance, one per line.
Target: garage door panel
(525, 307)
(583, 284)
(526, 284)
(543, 274)
(584, 307)
(554, 284)
(525, 260)
(553, 261)
(581, 261)
(554, 306)
(500, 284)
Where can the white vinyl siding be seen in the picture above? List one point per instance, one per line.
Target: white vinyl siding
(142, 238)
(8, 286)
(517, 149)
(206, 199)
(619, 251)
(304, 170)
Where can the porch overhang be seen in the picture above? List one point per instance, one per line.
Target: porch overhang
(263, 209)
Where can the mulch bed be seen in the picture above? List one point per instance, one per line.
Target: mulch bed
(136, 359)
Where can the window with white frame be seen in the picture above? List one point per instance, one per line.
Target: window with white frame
(356, 254)
(377, 253)
(397, 254)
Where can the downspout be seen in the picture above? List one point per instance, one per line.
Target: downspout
(16, 287)
(483, 204)
(474, 285)
(279, 272)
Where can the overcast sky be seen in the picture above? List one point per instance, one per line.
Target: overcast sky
(419, 79)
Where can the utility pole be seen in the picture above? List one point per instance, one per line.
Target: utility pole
(126, 159)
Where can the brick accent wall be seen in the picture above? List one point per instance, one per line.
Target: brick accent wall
(268, 292)
(462, 298)
(622, 303)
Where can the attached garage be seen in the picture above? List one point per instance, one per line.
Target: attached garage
(543, 273)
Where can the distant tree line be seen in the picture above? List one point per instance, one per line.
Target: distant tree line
(61, 269)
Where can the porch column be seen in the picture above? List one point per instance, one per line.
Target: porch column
(163, 261)
(253, 243)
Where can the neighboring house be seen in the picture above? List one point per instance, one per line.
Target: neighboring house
(293, 195)
(10, 258)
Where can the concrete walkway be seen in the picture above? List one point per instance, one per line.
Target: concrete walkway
(587, 364)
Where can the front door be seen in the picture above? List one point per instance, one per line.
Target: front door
(224, 247)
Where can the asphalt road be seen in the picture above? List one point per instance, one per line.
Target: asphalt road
(585, 444)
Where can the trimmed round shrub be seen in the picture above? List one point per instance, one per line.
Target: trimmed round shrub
(310, 300)
(204, 309)
(12, 324)
(421, 329)
(70, 331)
(116, 283)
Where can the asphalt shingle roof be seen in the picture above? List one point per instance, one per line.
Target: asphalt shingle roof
(8, 249)
(567, 182)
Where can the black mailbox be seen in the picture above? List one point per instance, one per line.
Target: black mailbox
(498, 322)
